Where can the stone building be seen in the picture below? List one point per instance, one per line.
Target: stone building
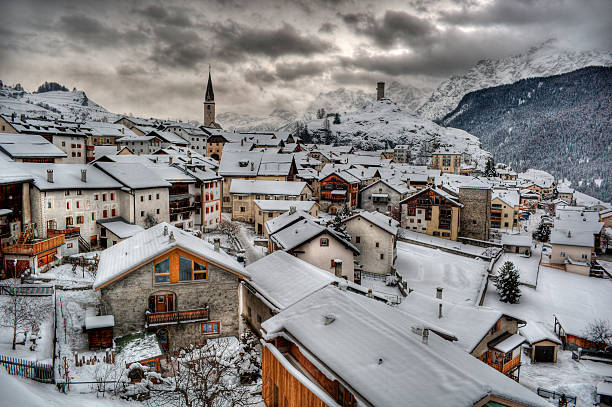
(432, 211)
(476, 212)
(382, 196)
(176, 285)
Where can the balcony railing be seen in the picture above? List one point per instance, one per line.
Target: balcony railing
(180, 209)
(505, 367)
(35, 248)
(69, 232)
(176, 317)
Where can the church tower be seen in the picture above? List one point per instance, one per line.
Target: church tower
(209, 104)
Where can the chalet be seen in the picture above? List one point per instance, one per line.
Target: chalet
(375, 235)
(337, 190)
(30, 148)
(130, 122)
(318, 352)
(605, 216)
(431, 211)
(383, 196)
(317, 245)
(544, 344)
(244, 192)
(506, 174)
(175, 284)
(115, 230)
(572, 332)
(566, 193)
(266, 210)
(528, 198)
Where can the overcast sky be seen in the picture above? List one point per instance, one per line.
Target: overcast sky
(152, 58)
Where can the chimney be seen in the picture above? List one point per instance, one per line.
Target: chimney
(369, 292)
(440, 310)
(84, 175)
(123, 130)
(165, 230)
(49, 175)
(380, 90)
(252, 167)
(390, 221)
(13, 116)
(338, 267)
(292, 209)
(172, 236)
(23, 117)
(217, 243)
(425, 335)
(241, 142)
(439, 293)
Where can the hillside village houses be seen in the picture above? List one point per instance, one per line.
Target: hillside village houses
(269, 209)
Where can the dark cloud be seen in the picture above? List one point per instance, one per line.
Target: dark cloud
(327, 28)
(236, 40)
(167, 15)
(395, 27)
(178, 47)
(80, 28)
(297, 70)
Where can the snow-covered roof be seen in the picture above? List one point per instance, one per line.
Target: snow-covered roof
(286, 219)
(102, 129)
(283, 205)
(516, 240)
(28, 145)
(438, 191)
(133, 175)
(240, 163)
(372, 348)
(141, 248)
(564, 189)
(263, 187)
(384, 222)
(572, 237)
(604, 388)
(300, 232)
(399, 187)
(534, 332)
(203, 175)
(67, 176)
(11, 173)
(507, 343)
(101, 321)
(510, 197)
(284, 279)
(169, 137)
(120, 227)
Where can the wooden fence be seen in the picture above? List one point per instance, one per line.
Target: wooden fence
(28, 290)
(41, 372)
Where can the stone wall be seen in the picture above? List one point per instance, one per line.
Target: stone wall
(366, 201)
(476, 212)
(128, 298)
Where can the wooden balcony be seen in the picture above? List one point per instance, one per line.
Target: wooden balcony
(505, 367)
(175, 317)
(70, 232)
(31, 249)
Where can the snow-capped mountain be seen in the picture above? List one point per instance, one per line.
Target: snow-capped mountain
(243, 122)
(69, 105)
(560, 124)
(384, 124)
(544, 60)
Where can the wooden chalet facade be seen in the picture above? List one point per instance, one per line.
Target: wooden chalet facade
(433, 212)
(338, 190)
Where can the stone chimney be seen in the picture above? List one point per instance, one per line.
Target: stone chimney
(165, 230)
(338, 268)
(439, 293)
(123, 130)
(369, 294)
(170, 160)
(380, 90)
(83, 175)
(49, 175)
(252, 167)
(390, 221)
(425, 336)
(172, 236)
(217, 243)
(292, 209)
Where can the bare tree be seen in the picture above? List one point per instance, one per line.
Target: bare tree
(229, 228)
(599, 331)
(207, 376)
(20, 312)
(150, 221)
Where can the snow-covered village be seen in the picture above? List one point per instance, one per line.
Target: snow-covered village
(306, 203)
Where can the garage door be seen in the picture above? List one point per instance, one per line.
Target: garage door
(544, 353)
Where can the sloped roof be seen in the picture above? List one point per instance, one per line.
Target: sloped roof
(283, 205)
(372, 348)
(125, 256)
(300, 232)
(28, 145)
(534, 332)
(263, 187)
(286, 219)
(438, 191)
(245, 163)
(384, 222)
(133, 175)
(67, 176)
(120, 227)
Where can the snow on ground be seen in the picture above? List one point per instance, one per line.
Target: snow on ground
(425, 269)
(445, 243)
(559, 292)
(43, 351)
(575, 378)
(527, 266)
(65, 276)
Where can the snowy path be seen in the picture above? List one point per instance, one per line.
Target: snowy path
(245, 236)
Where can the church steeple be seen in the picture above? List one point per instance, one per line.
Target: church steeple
(210, 94)
(209, 104)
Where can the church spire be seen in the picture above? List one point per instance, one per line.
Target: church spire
(210, 94)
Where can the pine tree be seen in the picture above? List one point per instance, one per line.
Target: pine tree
(542, 233)
(336, 118)
(507, 283)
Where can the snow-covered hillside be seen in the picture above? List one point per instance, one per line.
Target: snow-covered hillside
(243, 122)
(384, 123)
(71, 105)
(544, 60)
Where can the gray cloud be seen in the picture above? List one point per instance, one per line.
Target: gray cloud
(81, 28)
(327, 28)
(167, 15)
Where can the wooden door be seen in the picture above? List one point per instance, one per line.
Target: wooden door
(161, 303)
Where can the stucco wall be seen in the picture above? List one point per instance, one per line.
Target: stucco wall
(369, 254)
(575, 252)
(313, 253)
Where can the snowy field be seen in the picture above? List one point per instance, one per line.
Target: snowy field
(448, 244)
(527, 266)
(425, 269)
(566, 376)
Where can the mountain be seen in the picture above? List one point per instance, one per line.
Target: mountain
(544, 60)
(561, 124)
(384, 124)
(341, 100)
(69, 105)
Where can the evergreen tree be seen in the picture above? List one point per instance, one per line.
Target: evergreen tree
(490, 168)
(336, 118)
(542, 233)
(507, 283)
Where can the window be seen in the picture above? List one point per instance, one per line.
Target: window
(142, 198)
(104, 197)
(112, 196)
(324, 242)
(67, 192)
(67, 205)
(156, 196)
(269, 214)
(211, 328)
(377, 244)
(162, 271)
(95, 197)
(49, 204)
(562, 254)
(199, 271)
(78, 204)
(150, 197)
(68, 221)
(93, 216)
(113, 212)
(157, 211)
(79, 220)
(63, 144)
(357, 239)
(242, 209)
(104, 213)
(79, 192)
(184, 269)
(584, 256)
(436, 233)
(141, 213)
